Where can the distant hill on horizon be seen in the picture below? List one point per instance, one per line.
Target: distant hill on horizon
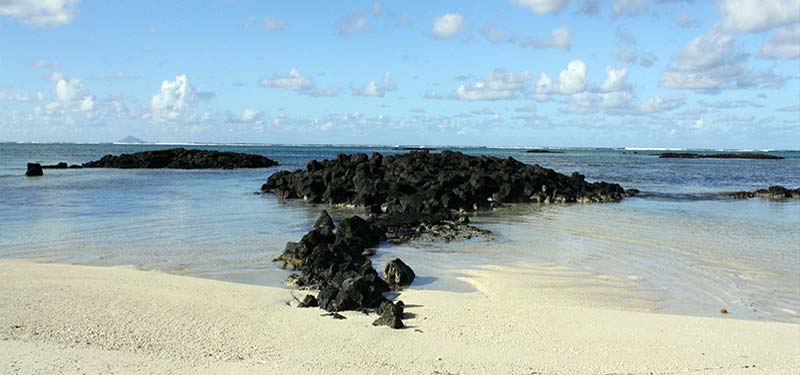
(131, 139)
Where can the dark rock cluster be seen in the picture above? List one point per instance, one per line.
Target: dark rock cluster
(336, 261)
(689, 155)
(773, 193)
(434, 183)
(61, 165)
(181, 158)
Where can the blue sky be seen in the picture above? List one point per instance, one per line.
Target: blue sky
(647, 73)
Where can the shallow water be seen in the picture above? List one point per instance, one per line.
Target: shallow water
(698, 253)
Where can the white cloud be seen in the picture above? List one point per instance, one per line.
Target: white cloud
(573, 79)
(757, 15)
(542, 6)
(294, 81)
(40, 12)
(274, 24)
(448, 25)
(354, 23)
(708, 64)
(500, 84)
(784, 43)
(375, 89)
(659, 104)
(615, 80)
(175, 100)
(249, 115)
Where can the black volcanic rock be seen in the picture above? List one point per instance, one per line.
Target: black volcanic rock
(746, 155)
(398, 273)
(180, 158)
(433, 183)
(34, 170)
(61, 165)
(772, 193)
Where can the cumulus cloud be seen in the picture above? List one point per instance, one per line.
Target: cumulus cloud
(573, 79)
(757, 15)
(784, 43)
(708, 64)
(69, 95)
(249, 115)
(542, 6)
(499, 84)
(39, 12)
(448, 25)
(615, 80)
(377, 89)
(294, 81)
(176, 100)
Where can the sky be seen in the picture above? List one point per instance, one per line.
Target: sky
(558, 73)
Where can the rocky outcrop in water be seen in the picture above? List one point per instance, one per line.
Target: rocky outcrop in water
(434, 183)
(34, 170)
(180, 158)
(773, 193)
(61, 165)
(688, 155)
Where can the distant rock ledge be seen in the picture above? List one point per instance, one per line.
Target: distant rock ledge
(772, 193)
(181, 158)
(746, 155)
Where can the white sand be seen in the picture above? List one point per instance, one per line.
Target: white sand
(75, 319)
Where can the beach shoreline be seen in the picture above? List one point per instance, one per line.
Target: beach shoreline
(61, 318)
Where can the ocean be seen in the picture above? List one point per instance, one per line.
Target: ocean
(690, 250)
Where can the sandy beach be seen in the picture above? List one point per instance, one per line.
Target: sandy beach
(58, 318)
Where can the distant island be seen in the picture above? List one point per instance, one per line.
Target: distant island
(131, 139)
(746, 155)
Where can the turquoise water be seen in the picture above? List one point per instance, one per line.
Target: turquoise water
(696, 251)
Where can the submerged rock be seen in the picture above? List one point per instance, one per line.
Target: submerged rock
(433, 183)
(34, 170)
(398, 273)
(181, 158)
